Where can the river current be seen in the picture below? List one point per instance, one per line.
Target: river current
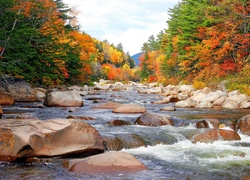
(169, 153)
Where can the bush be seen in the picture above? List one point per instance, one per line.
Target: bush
(199, 84)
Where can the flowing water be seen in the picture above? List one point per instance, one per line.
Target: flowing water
(169, 153)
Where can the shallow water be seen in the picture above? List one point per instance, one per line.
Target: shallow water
(169, 154)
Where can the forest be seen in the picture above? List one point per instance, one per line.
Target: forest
(205, 42)
(41, 42)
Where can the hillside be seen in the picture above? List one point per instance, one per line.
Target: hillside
(136, 58)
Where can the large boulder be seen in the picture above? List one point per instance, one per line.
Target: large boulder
(129, 108)
(20, 89)
(21, 139)
(63, 99)
(244, 124)
(109, 162)
(6, 98)
(215, 135)
(148, 119)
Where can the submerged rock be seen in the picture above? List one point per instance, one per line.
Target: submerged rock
(109, 162)
(108, 105)
(118, 122)
(215, 135)
(147, 119)
(21, 139)
(129, 108)
(122, 141)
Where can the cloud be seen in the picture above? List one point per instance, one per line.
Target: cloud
(123, 21)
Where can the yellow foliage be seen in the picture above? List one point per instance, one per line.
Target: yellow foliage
(199, 84)
(126, 67)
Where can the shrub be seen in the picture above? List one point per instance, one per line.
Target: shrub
(199, 84)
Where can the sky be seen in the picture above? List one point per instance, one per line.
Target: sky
(130, 22)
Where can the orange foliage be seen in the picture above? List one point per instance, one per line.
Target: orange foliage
(85, 42)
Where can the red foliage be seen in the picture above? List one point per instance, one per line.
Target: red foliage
(228, 66)
(152, 79)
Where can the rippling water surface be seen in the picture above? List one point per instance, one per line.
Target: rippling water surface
(170, 154)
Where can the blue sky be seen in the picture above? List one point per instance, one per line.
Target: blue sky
(129, 22)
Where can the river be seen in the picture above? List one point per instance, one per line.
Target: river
(169, 153)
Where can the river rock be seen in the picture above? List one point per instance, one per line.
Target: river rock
(1, 111)
(206, 104)
(211, 97)
(220, 101)
(63, 99)
(148, 119)
(245, 105)
(21, 139)
(202, 124)
(142, 91)
(229, 104)
(186, 104)
(118, 122)
(129, 108)
(198, 96)
(188, 89)
(40, 95)
(244, 124)
(214, 122)
(108, 105)
(168, 108)
(85, 118)
(155, 90)
(116, 142)
(233, 93)
(183, 96)
(75, 88)
(206, 90)
(215, 135)
(109, 162)
(241, 98)
(170, 98)
(6, 98)
(20, 89)
(102, 87)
